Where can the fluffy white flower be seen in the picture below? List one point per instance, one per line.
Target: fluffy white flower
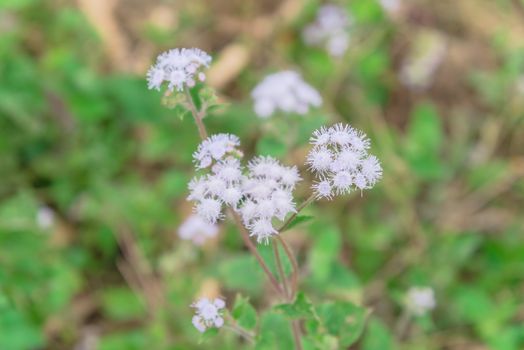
(268, 190)
(209, 209)
(323, 189)
(195, 229)
(223, 184)
(208, 314)
(330, 29)
(178, 68)
(284, 91)
(340, 160)
(420, 300)
(45, 217)
(216, 147)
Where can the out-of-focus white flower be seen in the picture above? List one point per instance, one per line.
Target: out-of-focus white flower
(392, 7)
(208, 314)
(216, 147)
(268, 194)
(330, 29)
(197, 230)
(519, 85)
(45, 217)
(178, 67)
(425, 57)
(420, 300)
(340, 160)
(285, 91)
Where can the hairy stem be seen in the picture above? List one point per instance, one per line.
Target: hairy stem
(294, 263)
(197, 115)
(241, 332)
(295, 326)
(281, 270)
(254, 251)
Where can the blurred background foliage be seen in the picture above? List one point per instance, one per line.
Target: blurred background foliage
(94, 171)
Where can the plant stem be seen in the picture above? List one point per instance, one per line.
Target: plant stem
(403, 324)
(254, 251)
(295, 326)
(241, 332)
(197, 116)
(281, 270)
(304, 204)
(293, 260)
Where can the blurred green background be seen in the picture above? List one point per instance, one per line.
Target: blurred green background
(94, 170)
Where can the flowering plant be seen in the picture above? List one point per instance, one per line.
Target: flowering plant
(258, 194)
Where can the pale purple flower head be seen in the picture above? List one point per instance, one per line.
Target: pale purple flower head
(178, 68)
(340, 160)
(286, 92)
(208, 314)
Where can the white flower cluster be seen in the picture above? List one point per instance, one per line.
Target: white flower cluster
(261, 195)
(179, 68)
(268, 194)
(208, 314)
(420, 300)
(285, 91)
(330, 29)
(197, 230)
(340, 160)
(216, 148)
(222, 186)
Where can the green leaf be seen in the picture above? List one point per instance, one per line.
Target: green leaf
(266, 251)
(377, 336)
(275, 333)
(300, 308)
(242, 272)
(423, 142)
(343, 320)
(122, 304)
(131, 340)
(208, 334)
(324, 252)
(299, 219)
(244, 313)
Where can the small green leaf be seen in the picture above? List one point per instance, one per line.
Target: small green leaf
(300, 308)
(208, 334)
(244, 313)
(343, 320)
(242, 272)
(275, 333)
(300, 219)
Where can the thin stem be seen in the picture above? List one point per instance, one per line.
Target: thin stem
(197, 116)
(403, 324)
(294, 263)
(295, 326)
(254, 251)
(281, 269)
(304, 204)
(241, 332)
